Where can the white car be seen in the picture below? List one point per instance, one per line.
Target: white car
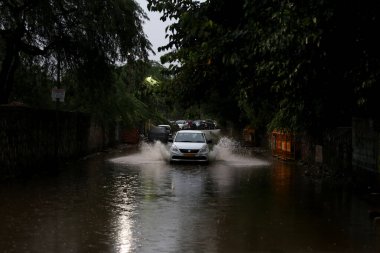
(181, 124)
(190, 145)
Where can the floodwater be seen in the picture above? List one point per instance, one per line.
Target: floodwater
(135, 201)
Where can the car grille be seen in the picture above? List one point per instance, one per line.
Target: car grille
(192, 158)
(189, 151)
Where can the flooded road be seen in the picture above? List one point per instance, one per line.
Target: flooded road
(135, 201)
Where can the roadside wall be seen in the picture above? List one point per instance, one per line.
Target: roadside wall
(337, 148)
(365, 144)
(334, 149)
(34, 139)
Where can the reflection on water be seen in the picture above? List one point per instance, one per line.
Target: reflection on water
(124, 207)
(138, 202)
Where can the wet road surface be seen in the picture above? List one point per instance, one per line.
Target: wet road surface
(135, 201)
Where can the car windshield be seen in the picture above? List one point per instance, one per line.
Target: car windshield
(158, 130)
(165, 126)
(190, 137)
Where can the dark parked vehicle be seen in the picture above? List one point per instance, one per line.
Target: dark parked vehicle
(158, 134)
(210, 124)
(169, 130)
(204, 124)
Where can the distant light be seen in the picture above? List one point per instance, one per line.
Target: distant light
(150, 80)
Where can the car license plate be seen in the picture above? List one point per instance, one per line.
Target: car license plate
(189, 155)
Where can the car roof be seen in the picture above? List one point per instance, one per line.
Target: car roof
(158, 128)
(190, 131)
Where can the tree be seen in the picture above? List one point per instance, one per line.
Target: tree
(154, 92)
(276, 64)
(198, 47)
(68, 35)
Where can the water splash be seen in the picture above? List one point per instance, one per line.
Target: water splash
(226, 150)
(230, 151)
(150, 153)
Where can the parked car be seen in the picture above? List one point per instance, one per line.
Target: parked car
(158, 134)
(200, 124)
(174, 128)
(210, 124)
(190, 145)
(181, 123)
(168, 130)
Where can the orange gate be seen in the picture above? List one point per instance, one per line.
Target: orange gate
(284, 145)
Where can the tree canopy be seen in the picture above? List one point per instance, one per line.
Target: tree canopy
(69, 35)
(278, 64)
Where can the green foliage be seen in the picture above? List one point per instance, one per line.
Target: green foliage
(75, 45)
(199, 45)
(155, 91)
(74, 33)
(115, 102)
(289, 64)
(33, 87)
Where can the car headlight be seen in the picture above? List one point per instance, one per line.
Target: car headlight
(204, 149)
(174, 149)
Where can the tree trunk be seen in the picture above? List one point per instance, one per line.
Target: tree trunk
(8, 68)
